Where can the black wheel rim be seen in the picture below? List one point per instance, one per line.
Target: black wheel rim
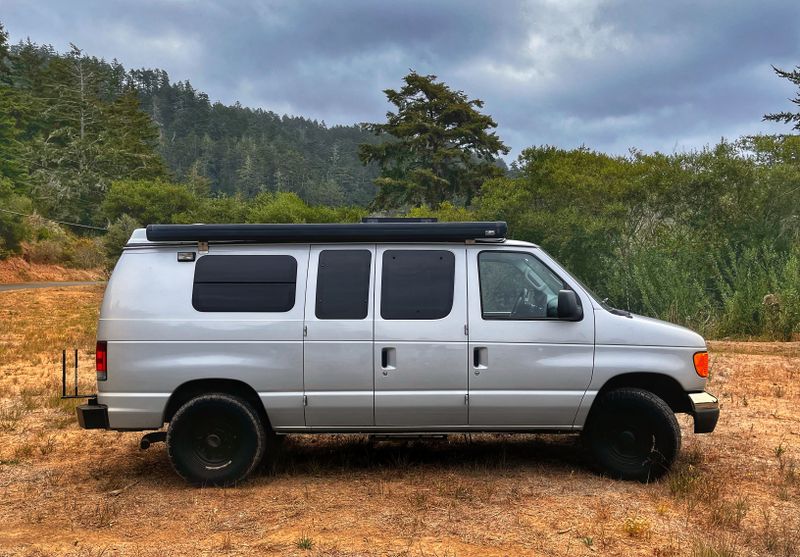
(630, 444)
(215, 441)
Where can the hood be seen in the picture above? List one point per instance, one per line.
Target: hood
(638, 330)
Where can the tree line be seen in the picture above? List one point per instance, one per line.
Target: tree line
(708, 238)
(71, 124)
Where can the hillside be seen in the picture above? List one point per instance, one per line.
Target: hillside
(232, 149)
(248, 151)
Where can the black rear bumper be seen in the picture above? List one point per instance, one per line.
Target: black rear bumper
(92, 415)
(705, 409)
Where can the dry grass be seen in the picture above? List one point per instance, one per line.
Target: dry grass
(16, 269)
(69, 492)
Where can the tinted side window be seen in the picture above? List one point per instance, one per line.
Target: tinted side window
(417, 284)
(343, 284)
(252, 283)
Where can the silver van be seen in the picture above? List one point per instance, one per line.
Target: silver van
(236, 335)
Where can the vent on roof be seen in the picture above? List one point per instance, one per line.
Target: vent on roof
(398, 219)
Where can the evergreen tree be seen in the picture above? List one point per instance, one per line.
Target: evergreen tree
(787, 117)
(91, 135)
(13, 114)
(13, 176)
(438, 147)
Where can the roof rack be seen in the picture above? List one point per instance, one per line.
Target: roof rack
(356, 232)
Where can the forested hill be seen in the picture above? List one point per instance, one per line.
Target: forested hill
(247, 151)
(238, 149)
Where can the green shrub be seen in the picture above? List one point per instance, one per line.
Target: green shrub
(52, 252)
(87, 253)
(147, 201)
(13, 227)
(117, 236)
(286, 207)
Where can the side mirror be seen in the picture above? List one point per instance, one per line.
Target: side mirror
(568, 308)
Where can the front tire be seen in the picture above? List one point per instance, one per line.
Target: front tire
(633, 434)
(215, 439)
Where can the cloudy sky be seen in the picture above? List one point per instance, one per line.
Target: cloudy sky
(657, 75)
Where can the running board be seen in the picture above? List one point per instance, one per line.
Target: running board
(406, 436)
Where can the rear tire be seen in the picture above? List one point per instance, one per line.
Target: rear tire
(633, 434)
(215, 439)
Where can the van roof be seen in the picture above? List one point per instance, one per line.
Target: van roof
(493, 231)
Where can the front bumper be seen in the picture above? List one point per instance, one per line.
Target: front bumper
(705, 409)
(92, 415)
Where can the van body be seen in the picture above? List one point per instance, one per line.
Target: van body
(425, 330)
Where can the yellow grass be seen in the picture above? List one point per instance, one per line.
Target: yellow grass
(16, 269)
(64, 491)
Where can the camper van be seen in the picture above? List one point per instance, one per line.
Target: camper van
(235, 335)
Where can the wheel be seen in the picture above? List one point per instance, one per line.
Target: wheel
(633, 435)
(215, 439)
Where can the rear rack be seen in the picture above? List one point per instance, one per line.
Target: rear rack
(64, 378)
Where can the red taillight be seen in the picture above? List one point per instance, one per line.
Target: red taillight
(101, 357)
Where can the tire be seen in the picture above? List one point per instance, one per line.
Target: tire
(215, 439)
(632, 435)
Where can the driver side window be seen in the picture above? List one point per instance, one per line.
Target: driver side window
(516, 285)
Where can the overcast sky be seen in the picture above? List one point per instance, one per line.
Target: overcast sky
(656, 75)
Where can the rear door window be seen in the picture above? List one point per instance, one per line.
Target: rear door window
(417, 284)
(343, 284)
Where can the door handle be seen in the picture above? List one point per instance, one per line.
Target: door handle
(388, 359)
(480, 358)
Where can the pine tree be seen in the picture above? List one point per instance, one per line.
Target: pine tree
(437, 146)
(13, 172)
(787, 117)
(88, 140)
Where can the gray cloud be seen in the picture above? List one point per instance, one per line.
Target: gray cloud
(607, 74)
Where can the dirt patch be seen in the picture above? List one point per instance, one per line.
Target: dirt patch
(64, 491)
(16, 269)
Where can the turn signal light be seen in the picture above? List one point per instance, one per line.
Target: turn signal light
(701, 363)
(101, 358)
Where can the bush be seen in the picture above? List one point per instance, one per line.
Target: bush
(760, 292)
(13, 228)
(285, 207)
(67, 250)
(663, 278)
(117, 236)
(445, 212)
(52, 252)
(147, 201)
(788, 318)
(87, 253)
(220, 209)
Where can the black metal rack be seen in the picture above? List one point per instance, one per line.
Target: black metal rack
(381, 231)
(64, 377)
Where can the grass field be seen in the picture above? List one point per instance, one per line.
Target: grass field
(16, 269)
(64, 491)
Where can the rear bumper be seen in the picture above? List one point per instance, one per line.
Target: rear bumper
(705, 409)
(92, 415)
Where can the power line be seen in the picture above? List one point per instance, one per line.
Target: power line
(58, 221)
